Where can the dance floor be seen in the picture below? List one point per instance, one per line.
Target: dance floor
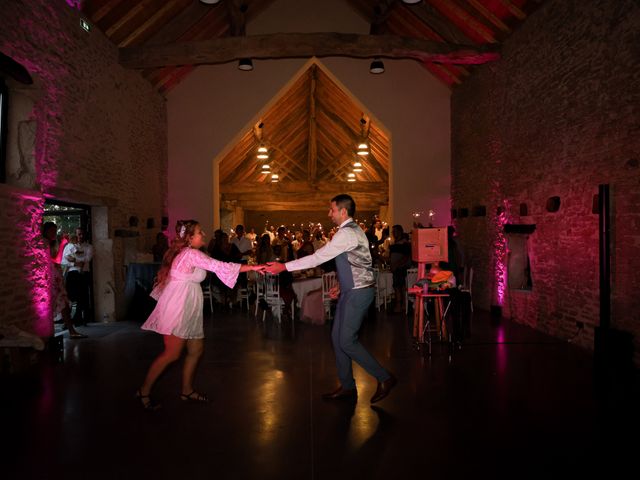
(511, 403)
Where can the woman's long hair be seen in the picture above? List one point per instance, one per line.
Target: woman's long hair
(184, 232)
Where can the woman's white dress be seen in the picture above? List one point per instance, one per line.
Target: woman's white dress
(179, 308)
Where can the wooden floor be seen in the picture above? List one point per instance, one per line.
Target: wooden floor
(511, 403)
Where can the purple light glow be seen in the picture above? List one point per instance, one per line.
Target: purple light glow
(38, 270)
(500, 254)
(77, 4)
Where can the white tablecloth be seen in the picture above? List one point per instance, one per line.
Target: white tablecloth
(304, 285)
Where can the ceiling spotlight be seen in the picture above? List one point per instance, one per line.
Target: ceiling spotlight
(274, 178)
(262, 149)
(245, 64)
(263, 156)
(209, 2)
(352, 175)
(376, 66)
(362, 153)
(351, 179)
(411, 2)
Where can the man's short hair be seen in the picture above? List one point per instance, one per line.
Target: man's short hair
(345, 201)
(239, 227)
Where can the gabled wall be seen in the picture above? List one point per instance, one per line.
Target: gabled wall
(100, 140)
(215, 103)
(558, 115)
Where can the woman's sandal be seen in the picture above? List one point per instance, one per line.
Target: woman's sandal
(147, 402)
(194, 397)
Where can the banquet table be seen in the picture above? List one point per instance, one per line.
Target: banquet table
(303, 286)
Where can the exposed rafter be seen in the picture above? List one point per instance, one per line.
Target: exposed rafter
(303, 45)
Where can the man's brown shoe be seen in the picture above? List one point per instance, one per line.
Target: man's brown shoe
(341, 393)
(384, 388)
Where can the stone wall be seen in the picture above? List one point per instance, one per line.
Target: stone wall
(100, 140)
(557, 116)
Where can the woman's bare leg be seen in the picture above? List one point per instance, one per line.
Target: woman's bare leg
(172, 349)
(195, 348)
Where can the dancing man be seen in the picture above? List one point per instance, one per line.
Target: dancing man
(350, 248)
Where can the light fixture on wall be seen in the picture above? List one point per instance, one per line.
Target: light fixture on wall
(209, 2)
(376, 66)
(411, 2)
(245, 64)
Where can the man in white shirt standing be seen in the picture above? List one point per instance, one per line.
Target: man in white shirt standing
(77, 259)
(350, 248)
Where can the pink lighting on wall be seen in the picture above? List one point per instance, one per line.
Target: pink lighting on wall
(37, 269)
(500, 253)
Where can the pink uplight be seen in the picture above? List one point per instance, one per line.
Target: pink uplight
(500, 253)
(38, 270)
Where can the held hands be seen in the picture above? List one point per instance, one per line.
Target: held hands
(274, 268)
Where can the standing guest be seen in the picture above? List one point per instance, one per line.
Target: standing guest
(160, 247)
(264, 252)
(281, 244)
(399, 262)
(77, 258)
(178, 314)
(57, 292)
(252, 236)
(378, 228)
(350, 248)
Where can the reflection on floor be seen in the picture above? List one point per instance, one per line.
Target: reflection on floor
(511, 403)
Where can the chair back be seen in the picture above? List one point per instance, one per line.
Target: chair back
(329, 281)
(412, 277)
(271, 286)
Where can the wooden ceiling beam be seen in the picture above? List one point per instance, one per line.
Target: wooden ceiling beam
(488, 14)
(302, 187)
(237, 21)
(180, 24)
(159, 16)
(303, 45)
(364, 205)
(439, 24)
(104, 10)
(515, 11)
(312, 157)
